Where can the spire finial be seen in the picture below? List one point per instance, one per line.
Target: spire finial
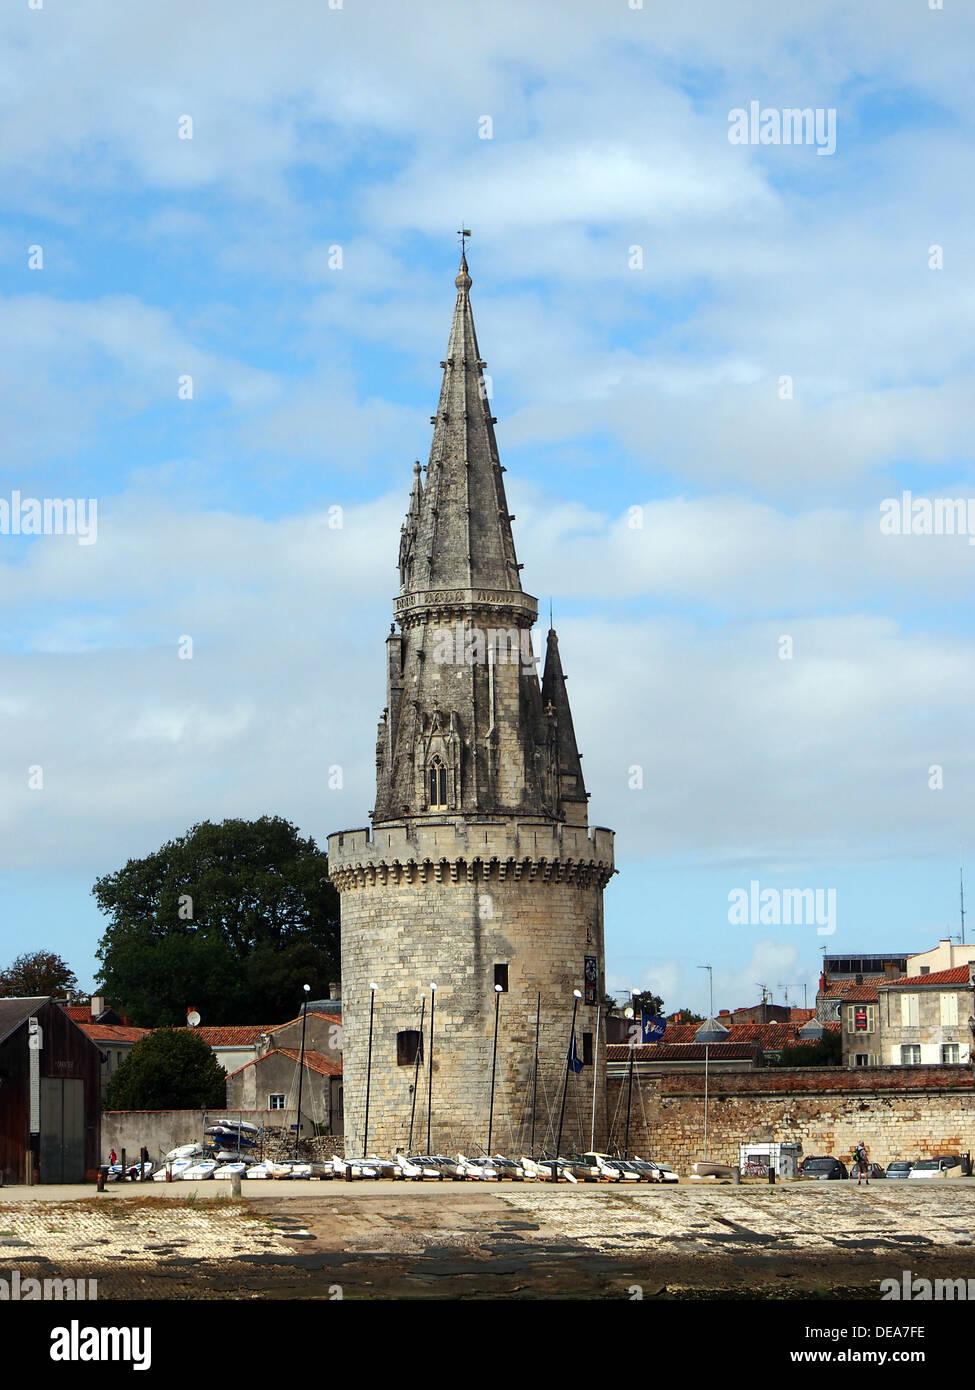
(550, 623)
(463, 280)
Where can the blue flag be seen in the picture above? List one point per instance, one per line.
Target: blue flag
(572, 1056)
(652, 1027)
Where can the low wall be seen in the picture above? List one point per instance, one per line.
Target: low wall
(897, 1112)
(162, 1130)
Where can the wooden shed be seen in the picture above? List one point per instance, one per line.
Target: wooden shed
(50, 1104)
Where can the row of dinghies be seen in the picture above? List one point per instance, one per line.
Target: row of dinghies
(186, 1163)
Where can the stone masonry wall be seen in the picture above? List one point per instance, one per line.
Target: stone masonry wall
(897, 1113)
(403, 935)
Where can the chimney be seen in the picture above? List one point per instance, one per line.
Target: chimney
(97, 1005)
(858, 980)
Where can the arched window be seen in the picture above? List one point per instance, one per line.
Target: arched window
(438, 783)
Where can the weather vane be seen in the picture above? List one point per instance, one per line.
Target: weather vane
(464, 233)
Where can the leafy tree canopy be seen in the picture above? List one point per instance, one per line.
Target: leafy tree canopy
(646, 1002)
(686, 1015)
(827, 1052)
(167, 1070)
(39, 972)
(229, 919)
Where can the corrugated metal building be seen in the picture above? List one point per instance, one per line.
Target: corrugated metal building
(50, 1115)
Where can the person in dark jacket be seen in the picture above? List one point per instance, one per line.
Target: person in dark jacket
(863, 1166)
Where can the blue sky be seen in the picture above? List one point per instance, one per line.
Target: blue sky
(616, 388)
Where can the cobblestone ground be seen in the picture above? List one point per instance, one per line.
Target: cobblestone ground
(384, 1240)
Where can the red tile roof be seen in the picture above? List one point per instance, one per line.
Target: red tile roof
(81, 1013)
(682, 1052)
(862, 994)
(113, 1032)
(770, 1037)
(235, 1035)
(958, 975)
(314, 1061)
(839, 989)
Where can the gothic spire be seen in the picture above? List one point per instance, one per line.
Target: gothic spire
(461, 535)
(555, 702)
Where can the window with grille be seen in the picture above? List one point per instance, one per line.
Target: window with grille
(950, 1054)
(276, 1101)
(438, 783)
(910, 1054)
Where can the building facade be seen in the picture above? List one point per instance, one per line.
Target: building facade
(480, 879)
(917, 1020)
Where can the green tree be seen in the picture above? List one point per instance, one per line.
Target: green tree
(827, 1052)
(38, 972)
(647, 1002)
(167, 1070)
(686, 1015)
(230, 919)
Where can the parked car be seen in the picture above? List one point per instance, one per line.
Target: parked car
(900, 1168)
(877, 1170)
(822, 1168)
(935, 1167)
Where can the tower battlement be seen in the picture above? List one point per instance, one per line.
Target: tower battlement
(472, 851)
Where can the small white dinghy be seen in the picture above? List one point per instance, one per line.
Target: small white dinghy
(178, 1167)
(185, 1151)
(197, 1172)
(230, 1170)
(408, 1169)
(257, 1172)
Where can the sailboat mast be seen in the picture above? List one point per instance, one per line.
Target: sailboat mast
(595, 1075)
(538, 1019)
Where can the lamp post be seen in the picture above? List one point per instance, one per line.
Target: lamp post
(433, 1001)
(416, 1075)
(372, 1009)
(301, 1063)
(629, 1013)
(494, 1064)
(576, 996)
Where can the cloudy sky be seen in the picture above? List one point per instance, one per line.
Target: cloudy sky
(711, 364)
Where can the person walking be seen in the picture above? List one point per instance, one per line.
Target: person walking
(863, 1167)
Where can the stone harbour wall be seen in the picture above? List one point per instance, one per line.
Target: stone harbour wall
(897, 1112)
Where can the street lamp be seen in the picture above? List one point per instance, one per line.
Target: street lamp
(301, 1063)
(433, 1001)
(629, 1013)
(494, 1063)
(372, 1009)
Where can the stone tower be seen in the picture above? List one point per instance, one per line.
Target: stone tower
(480, 867)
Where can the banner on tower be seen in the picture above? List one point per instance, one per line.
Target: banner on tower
(591, 977)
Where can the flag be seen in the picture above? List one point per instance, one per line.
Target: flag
(572, 1057)
(652, 1027)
